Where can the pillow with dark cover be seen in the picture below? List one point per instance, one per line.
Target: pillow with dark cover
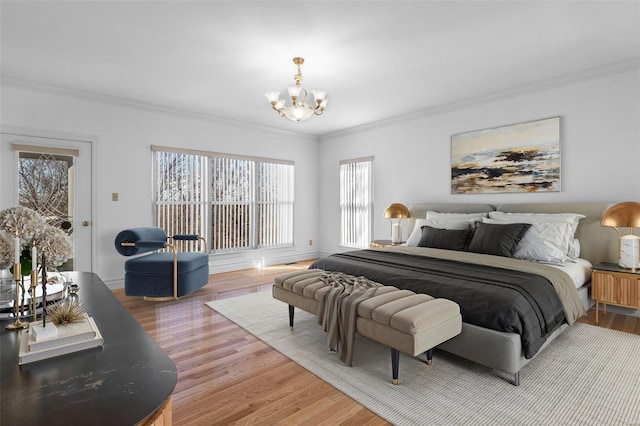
(498, 240)
(448, 239)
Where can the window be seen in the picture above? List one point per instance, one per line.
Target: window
(46, 185)
(356, 199)
(237, 203)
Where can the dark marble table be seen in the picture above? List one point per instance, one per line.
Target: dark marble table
(123, 382)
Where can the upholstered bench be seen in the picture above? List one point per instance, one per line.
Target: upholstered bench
(401, 319)
(160, 275)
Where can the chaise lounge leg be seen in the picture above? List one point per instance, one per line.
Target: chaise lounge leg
(291, 310)
(430, 356)
(516, 379)
(395, 360)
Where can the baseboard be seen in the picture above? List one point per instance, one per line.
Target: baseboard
(221, 263)
(115, 284)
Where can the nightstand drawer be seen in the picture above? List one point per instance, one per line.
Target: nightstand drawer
(616, 288)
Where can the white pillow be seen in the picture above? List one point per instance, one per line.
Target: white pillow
(572, 218)
(543, 241)
(574, 249)
(431, 215)
(416, 234)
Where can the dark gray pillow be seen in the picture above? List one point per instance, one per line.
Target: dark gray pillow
(498, 240)
(448, 239)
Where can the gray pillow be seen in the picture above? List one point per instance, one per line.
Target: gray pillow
(497, 240)
(448, 239)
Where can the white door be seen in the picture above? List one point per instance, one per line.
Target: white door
(53, 176)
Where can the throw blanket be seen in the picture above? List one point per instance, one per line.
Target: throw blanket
(498, 293)
(338, 310)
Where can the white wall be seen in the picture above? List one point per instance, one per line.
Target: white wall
(123, 165)
(600, 149)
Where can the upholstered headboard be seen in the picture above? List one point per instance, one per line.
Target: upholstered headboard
(597, 243)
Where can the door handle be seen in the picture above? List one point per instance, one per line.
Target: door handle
(85, 223)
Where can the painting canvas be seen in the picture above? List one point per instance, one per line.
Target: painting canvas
(522, 157)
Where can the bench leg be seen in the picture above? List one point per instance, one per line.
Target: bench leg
(395, 360)
(291, 310)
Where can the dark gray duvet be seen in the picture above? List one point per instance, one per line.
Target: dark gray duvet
(489, 297)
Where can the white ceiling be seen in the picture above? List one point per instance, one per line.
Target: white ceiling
(377, 59)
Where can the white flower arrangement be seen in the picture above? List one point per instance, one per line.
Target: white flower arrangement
(30, 226)
(6, 250)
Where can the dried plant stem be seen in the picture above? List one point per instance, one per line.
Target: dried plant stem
(66, 312)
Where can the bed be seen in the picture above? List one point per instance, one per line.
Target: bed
(510, 342)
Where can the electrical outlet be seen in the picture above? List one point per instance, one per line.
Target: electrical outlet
(114, 196)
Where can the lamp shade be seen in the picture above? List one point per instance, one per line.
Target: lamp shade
(622, 215)
(396, 211)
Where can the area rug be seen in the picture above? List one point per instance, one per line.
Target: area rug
(587, 376)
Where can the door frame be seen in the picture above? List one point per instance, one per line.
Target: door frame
(75, 137)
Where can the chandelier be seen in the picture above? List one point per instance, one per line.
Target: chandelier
(299, 109)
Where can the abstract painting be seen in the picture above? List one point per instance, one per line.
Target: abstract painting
(523, 157)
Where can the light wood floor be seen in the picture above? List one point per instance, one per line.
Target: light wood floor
(227, 376)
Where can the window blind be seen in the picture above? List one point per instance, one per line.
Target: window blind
(356, 199)
(181, 195)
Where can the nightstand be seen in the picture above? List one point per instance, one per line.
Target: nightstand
(383, 243)
(612, 285)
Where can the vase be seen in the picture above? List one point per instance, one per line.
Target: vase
(5, 274)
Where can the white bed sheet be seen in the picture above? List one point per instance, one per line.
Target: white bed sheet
(579, 270)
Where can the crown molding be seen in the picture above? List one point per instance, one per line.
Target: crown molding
(565, 80)
(20, 83)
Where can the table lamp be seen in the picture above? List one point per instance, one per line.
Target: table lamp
(625, 215)
(396, 211)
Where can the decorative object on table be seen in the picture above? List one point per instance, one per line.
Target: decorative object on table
(24, 234)
(17, 277)
(41, 342)
(34, 281)
(299, 109)
(523, 157)
(625, 215)
(70, 329)
(28, 228)
(57, 288)
(44, 292)
(66, 311)
(395, 213)
(73, 288)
